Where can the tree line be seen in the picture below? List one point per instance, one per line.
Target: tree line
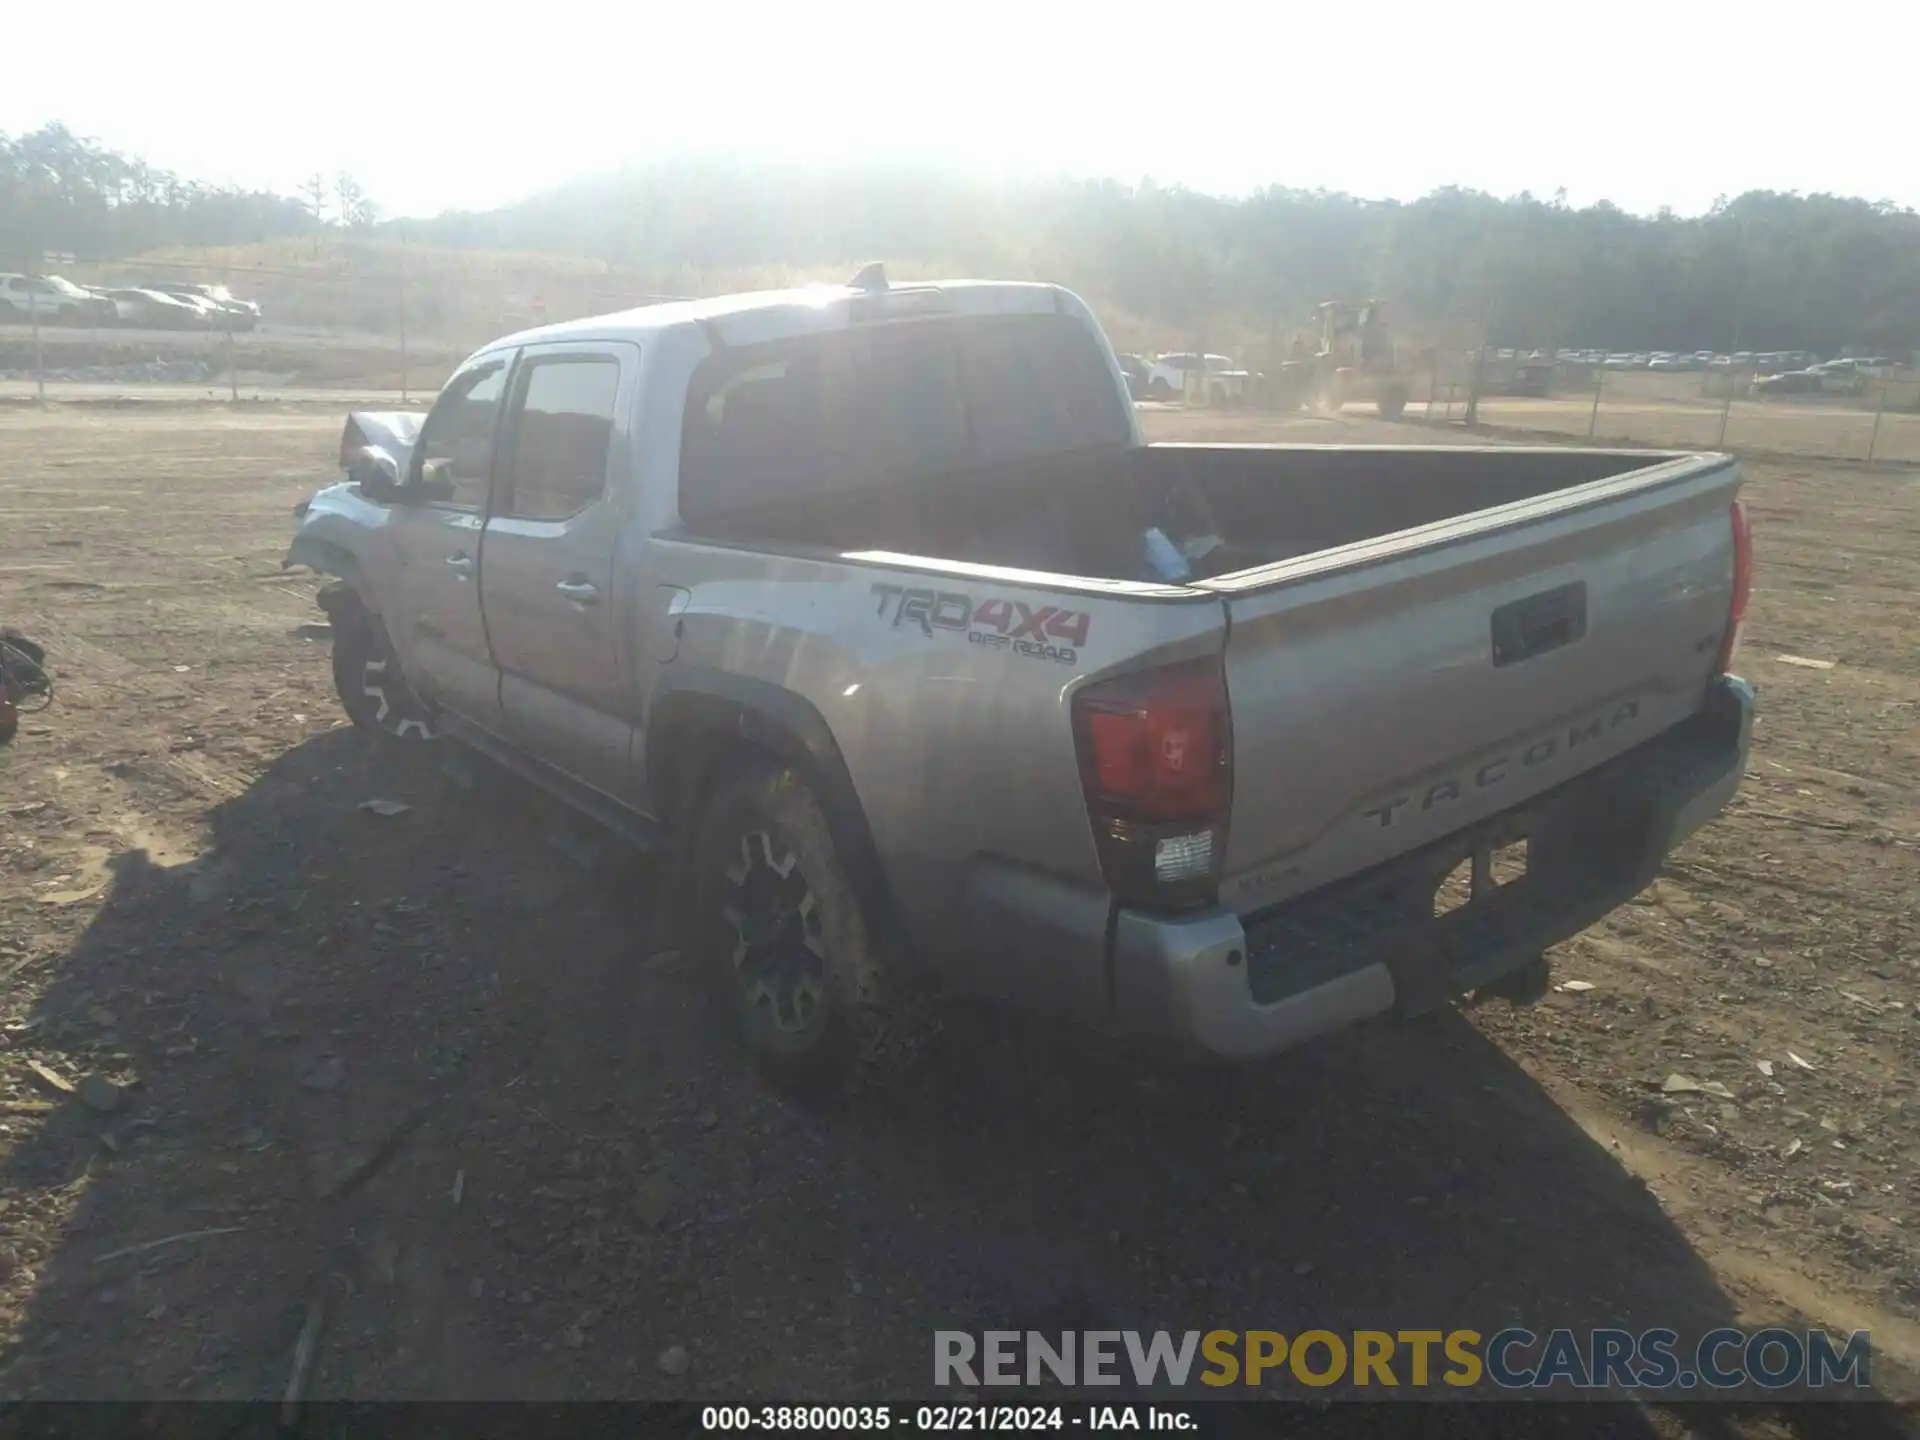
(63, 194)
(1760, 271)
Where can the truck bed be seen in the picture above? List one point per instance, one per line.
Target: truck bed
(1414, 639)
(1255, 505)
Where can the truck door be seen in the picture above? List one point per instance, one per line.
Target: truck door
(556, 612)
(434, 613)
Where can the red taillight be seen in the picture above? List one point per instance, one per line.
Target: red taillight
(1158, 749)
(1156, 763)
(1742, 584)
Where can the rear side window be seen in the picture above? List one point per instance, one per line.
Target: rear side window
(891, 404)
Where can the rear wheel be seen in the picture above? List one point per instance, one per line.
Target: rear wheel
(1392, 401)
(1159, 389)
(776, 917)
(366, 673)
(1525, 985)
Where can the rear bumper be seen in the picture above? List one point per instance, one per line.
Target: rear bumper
(1241, 987)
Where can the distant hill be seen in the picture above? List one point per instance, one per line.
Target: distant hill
(1761, 271)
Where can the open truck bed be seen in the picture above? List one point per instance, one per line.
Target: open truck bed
(1258, 505)
(1415, 640)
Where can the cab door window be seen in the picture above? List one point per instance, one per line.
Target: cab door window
(457, 438)
(560, 433)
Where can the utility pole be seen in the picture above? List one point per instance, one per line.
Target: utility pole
(233, 376)
(1739, 319)
(403, 322)
(1733, 374)
(33, 317)
(1879, 412)
(1476, 376)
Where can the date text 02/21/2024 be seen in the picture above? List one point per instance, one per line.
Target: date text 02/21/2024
(942, 1419)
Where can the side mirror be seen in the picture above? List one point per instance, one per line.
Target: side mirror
(376, 472)
(435, 482)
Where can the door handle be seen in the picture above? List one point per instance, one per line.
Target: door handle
(580, 592)
(460, 563)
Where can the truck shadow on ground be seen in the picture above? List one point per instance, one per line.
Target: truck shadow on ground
(440, 1081)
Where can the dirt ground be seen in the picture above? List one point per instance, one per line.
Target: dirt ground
(441, 1071)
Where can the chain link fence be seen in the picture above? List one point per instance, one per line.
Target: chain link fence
(1850, 412)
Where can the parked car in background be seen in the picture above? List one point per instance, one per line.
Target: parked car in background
(227, 309)
(1221, 379)
(51, 300)
(1790, 382)
(153, 310)
(1167, 374)
(210, 313)
(1842, 377)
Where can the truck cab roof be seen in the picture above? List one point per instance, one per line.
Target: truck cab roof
(759, 316)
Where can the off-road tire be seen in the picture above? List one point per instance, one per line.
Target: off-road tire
(1159, 390)
(1524, 985)
(366, 673)
(773, 916)
(1392, 402)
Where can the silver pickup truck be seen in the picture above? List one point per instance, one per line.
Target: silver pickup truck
(870, 606)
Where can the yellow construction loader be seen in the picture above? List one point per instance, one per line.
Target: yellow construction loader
(1345, 355)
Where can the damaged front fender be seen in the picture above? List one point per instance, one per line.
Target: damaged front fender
(322, 558)
(339, 532)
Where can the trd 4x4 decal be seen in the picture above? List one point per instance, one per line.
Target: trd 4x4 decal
(1042, 632)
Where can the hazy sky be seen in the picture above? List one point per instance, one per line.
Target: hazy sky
(469, 104)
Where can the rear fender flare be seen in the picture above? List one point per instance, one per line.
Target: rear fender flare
(699, 714)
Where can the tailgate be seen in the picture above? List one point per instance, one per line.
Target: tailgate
(1386, 693)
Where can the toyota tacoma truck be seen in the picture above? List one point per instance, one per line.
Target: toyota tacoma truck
(871, 608)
